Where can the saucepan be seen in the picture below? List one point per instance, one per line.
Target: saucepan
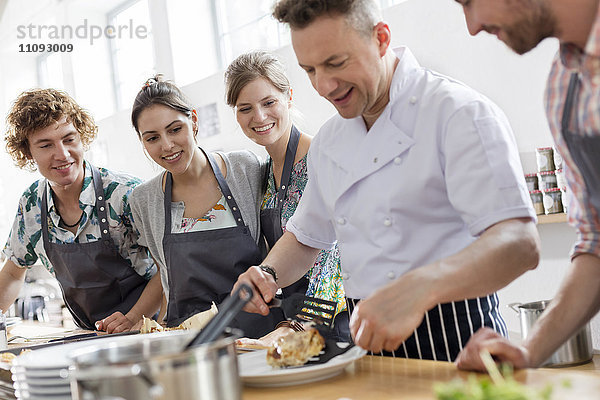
(576, 350)
(186, 365)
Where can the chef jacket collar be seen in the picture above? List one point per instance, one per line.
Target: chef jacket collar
(384, 141)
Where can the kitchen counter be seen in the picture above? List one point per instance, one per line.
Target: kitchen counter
(382, 378)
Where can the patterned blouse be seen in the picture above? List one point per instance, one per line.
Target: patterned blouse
(218, 217)
(25, 245)
(326, 274)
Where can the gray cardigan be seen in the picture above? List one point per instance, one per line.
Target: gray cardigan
(245, 173)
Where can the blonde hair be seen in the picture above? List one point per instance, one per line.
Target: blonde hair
(38, 109)
(250, 66)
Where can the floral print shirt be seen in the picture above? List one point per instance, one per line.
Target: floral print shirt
(218, 217)
(326, 274)
(25, 245)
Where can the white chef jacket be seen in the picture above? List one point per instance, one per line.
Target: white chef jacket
(439, 166)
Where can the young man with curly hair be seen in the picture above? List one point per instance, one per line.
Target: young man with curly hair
(76, 220)
(418, 179)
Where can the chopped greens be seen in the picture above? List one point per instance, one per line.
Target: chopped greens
(485, 389)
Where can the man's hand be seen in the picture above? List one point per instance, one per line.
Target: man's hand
(498, 346)
(264, 287)
(115, 323)
(389, 316)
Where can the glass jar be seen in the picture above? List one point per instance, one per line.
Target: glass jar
(561, 182)
(537, 201)
(545, 159)
(564, 197)
(553, 201)
(532, 182)
(547, 180)
(557, 158)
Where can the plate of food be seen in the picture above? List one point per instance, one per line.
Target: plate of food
(294, 360)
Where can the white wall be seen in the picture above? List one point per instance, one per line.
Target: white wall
(437, 35)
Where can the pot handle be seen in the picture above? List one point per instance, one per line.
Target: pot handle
(514, 306)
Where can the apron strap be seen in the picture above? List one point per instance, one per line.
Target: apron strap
(225, 189)
(44, 215)
(290, 156)
(100, 203)
(572, 93)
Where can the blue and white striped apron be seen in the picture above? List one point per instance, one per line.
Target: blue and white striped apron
(447, 327)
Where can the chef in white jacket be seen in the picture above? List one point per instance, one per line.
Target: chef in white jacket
(418, 179)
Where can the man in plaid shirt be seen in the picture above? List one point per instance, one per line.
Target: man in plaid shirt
(572, 102)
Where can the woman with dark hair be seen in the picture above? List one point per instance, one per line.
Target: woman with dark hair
(198, 217)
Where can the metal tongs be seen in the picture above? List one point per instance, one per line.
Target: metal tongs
(228, 310)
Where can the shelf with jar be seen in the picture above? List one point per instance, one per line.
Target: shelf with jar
(547, 187)
(552, 218)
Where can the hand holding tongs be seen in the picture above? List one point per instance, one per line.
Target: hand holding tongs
(228, 310)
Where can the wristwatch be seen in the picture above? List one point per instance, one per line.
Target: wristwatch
(269, 270)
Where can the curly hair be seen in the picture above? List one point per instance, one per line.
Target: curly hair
(250, 66)
(157, 90)
(38, 109)
(362, 15)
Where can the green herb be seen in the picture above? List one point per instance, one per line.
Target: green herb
(502, 386)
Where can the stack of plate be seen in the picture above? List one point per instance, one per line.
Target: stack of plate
(42, 374)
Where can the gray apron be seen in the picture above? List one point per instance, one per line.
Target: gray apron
(585, 150)
(202, 266)
(95, 280)
(270, 218)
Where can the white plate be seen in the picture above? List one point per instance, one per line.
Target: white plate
(63, 390)
(255, 371)
(52, 359)
(37, 381)
(25, 395)
(10, 321)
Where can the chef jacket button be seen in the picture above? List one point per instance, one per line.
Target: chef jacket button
(105, 231)
(229, 197)
(375, 160)
(283, 187)
(239, 220)
(413, 100)
(391, 275)
(341, 221)
(234, 209)
(397, 160)
(345, 276)
(99, 197)
(387, 222)
(101, 208)
(103, 220)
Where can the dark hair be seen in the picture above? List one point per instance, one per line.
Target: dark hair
(38, 109)
(250, 66)
(157, 90)
(361, 15)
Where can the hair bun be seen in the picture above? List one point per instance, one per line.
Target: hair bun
(153, 81)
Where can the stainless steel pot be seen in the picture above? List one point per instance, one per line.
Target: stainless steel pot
(156, 368)
(576, 350)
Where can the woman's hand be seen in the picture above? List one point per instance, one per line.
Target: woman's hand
(115, 323)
